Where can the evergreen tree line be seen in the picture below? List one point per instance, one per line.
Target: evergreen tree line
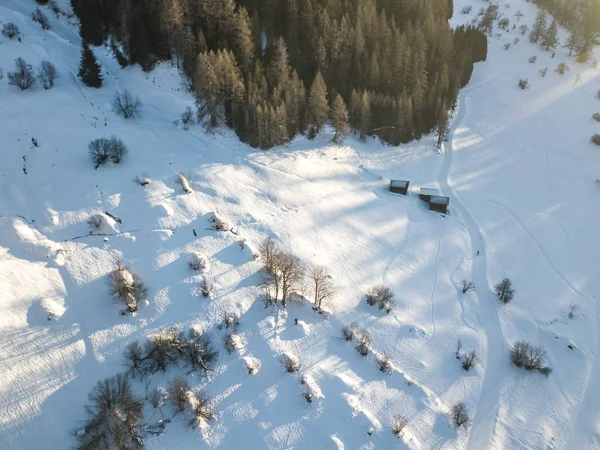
(271, 69)
(581, 17)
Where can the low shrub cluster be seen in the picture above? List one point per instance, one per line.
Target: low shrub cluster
(381, 296)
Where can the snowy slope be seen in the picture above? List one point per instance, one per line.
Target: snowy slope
(518, 168)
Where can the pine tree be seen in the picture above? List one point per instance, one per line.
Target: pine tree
(318, 110)
(574, 41)
(539, 27)
(443, 128)
(550, 37)
(90, 71)
(339, 119)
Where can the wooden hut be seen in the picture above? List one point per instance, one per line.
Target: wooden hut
(439, 203)
(399, 186)
(427, 193)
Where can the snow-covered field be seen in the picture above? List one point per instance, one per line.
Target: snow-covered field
(520, 172)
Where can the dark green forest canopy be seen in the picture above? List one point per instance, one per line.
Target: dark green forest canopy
(397, 64)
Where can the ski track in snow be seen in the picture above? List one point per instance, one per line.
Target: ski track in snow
(485, 416)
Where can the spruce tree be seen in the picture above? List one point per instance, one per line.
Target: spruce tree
(539, 27)
(574, 41)
(443, 128)
(339, 119)
(550, 37)
(318, 110)
(90, 71)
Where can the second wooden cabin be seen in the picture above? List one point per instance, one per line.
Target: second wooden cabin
(399, 186)
(427, 193)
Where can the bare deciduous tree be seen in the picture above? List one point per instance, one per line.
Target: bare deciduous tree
(467, 286)
(125, 104)
(47, 73)
(399, 423)
(178, 391)
(469, 360)
(10, 30)
(38, 16)
(22, 77)
(322, 285)
(126, 287)
(504, 290)
(290, 271)
(363, 342)
(460, 415)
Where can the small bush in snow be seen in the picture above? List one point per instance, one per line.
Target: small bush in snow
(384, 363)
(143, 181)
(252, 365)
(178, 391)
(230, 321)
(528, 357)
(157, 398)
(516, 41)
(460, 415)
(107, 149)
(596, 117)
(504, 290)
(118, 150)
(185, 184)
(206, 287)
(218, 223)
(47, 73)
(290, 363)
(562, 68)
(10, 30)
(469, 360)
(466, 9)
(543, 72)
(22, 77)
(381, 296)
(125, 104)
(97, 221)
(507, 46)
(583, 57)
(201, 409)
(363, 342)
(572, 311)
(114, 417)
(533, 59)
(504, 22)
(199, 351)
(231, 343)
(187, 118)
(308, 396)
(198, 262)
(467, 286)
(348, 331)
(523, 29)
(163, 350)
(57, 10)
(524, 83)
(459, 345)
(135, 360)
(399, 423)
(127, 288)
(38, 16)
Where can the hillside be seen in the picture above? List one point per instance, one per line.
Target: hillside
(521, 176)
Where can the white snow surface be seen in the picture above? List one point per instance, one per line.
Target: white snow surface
(520, 174)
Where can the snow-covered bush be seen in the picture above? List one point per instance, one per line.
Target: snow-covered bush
(125, 104)
(57, 10)
(595, 139)
(97, 221)
(562, 68)
(348, 331)
(523, 29)
(466, 9)
(504, 22)
(596, 117)
(201, 409)
(114, 417)
(10, 30)
(177, 394)
(252, 365)
(38, 16)
(363, 342)
(524, 83)
(185, 184)
(218, 223)
(399, 423)
(231, 342)
(381, 296)
(206, 287)
(460, 415)
(187, 118)
(196, 407)
(290, 363)
(507, 46)
(22, 77)
(543, 72)
(199, 351)
(533, 59)
(198, 262)
(230, 321)
(528, 357)
(47, 73)
(126, 287)
(504, 290)
(163, 350)
(469, 360)
(384, 363)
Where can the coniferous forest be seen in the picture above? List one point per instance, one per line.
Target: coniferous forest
(271, 69)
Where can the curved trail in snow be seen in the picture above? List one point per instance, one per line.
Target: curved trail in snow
(486, 412)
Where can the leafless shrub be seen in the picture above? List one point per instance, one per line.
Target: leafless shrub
(218, 223)
(469, 360)
(596, 117)
(399, 423)
(517, 40)
(99, 151)
(308, 396)
(363, 342)
(528, 357)
(185, 184)
(523, 83)
(572, 311)
(201, 409)
(47, 73)
(507, 46)
(543, 72)
(10, 30)
(595, 139)
(118, 150)
(242, 243)
(384, 363)
(504, 290)
(466, 9)
(187, 118)
(206, 287)
(290, 363)
(157, 398)
(125, 104)
(198, 262)
(231, 342)
(178, 390)
(163, 350)
(143, 181)
(1, 73)
(230, 320)
(348, 331)
(523, 29)
(57, 10)
(459, 345)
(22, 77)
(114, 417)
(38, 16)
(199, 351)
(562, 68)
(381, 296)
(504, 22)
(135, 360)
(460, 415)
(322, 285)
(467, 286)
(126, 287)
(97, 221)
